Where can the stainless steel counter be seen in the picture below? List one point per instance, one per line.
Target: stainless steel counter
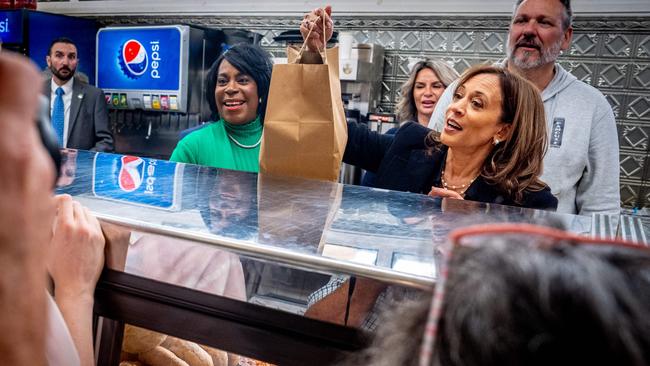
(314, 225)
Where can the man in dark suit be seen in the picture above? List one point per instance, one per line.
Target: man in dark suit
(78, 110)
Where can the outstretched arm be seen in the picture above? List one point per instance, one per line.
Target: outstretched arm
(319, 34)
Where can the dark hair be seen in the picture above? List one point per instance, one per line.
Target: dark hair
(507, 303)
(568, 14)
(249, 59)
(514, 165)
(60, 40)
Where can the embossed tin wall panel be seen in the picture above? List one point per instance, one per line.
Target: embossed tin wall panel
(631, 193)
(638, 107)
(643, 49)
(582, 70)
(633, 137)
(633, 166)
(612, 54)
(410, 41)
(403, 63)
(640, 76)
(492, 43)
(437, 41)
(585, 44)
(618, 45)
(613, 76)
(389, 65)
(617, 102)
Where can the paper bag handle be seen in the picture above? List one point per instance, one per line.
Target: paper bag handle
(304, 43)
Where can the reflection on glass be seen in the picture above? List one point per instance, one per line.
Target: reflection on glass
(228, 202)
(188, 264)
(141, 181)
(357, 255)
(68, 167)
(280, 287)
(414, 265)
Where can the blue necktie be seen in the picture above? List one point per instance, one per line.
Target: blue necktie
(58, 114)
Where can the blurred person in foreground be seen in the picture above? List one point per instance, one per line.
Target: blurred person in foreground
(524, 295)
(237, 87)
(582, 162)
(419, 94)
(34, 330)
(491, 151)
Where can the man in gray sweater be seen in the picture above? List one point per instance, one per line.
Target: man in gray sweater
(582, 162)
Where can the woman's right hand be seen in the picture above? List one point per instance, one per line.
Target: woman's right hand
(319, 35)
(444, 193)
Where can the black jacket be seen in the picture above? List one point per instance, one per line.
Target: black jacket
(403, 163)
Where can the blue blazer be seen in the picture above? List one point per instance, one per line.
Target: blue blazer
(403, 162)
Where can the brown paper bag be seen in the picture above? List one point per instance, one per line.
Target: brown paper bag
(305, 129)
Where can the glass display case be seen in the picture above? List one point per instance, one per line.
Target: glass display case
(233, 260)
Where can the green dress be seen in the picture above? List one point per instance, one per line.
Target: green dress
(222, 145)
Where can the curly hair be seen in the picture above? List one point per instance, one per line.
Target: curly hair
(515, 165)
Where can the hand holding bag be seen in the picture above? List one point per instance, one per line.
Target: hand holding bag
(305, 129)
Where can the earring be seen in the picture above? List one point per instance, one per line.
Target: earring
(496, 141)
(260, 101)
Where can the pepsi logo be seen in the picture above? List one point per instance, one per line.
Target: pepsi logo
(134, 58)
(131, 173)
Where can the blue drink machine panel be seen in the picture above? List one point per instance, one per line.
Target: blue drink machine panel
(11, 26)
(30, 32)
(144, 67)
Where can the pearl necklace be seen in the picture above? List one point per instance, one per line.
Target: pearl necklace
(459, 188)
(242, 145)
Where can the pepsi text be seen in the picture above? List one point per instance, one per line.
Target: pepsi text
(155, 59)
(4, 26)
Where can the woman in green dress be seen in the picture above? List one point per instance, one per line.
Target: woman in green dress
(240, 80)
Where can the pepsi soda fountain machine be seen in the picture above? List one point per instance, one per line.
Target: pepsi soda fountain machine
(153, 80)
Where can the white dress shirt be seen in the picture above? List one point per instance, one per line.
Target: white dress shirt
(67, 101)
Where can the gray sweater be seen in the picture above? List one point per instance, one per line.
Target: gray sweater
(582, 162)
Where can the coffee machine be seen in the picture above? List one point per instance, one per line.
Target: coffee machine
(360, 70)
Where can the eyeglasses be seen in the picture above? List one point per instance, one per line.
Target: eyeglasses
(474, 236)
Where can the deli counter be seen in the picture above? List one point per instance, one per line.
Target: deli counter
(232, 260)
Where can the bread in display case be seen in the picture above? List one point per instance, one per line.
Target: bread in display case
(229, 260)
(148, 348)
